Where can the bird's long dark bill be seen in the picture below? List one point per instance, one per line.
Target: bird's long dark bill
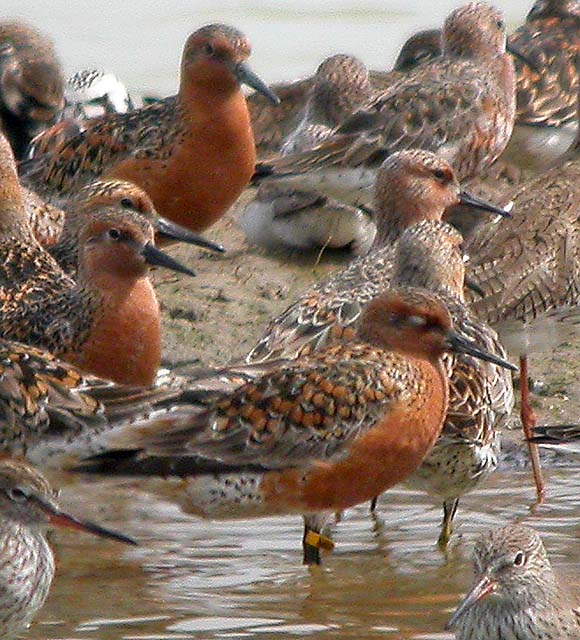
(61, 519)
(156, 258)
(480, 590)
(171, 231)
(246, 76)
(516, 53)
(477, 203)
(459, 344)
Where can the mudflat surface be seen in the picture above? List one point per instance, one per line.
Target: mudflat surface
(192, 578)
(217, 317)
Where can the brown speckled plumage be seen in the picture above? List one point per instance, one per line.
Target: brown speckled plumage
(550, 38)
(530, 265)
(44, 220)
(28, 508)
(547, 87)
(31, 84)
(40, 395)
(147, 133)
(461, 105)
(274, 123)
(516, 593)
(193, 153)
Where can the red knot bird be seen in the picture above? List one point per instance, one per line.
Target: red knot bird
(108, 319)
(460, 105)
(193, 153)
(282, 216)
(314, 435)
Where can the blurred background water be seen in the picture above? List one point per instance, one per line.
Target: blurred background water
(191, 578)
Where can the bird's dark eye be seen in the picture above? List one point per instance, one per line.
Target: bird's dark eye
(209, 50)
(127, 203)
(500, 25)
(6, 49)
(17, 494)
(440, 174)
(395, 319)
(520, 559)
(114, 234)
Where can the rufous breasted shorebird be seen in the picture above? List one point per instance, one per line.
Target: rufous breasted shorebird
(314, 435)
(193, 153)
(107, 320)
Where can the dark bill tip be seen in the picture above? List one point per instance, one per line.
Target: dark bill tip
(458, 344)
(522, 57)
(171, 231)
(61, 519)
(470, 200)
(156, 258)
(246, 76)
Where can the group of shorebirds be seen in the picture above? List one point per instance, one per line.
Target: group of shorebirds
(393, 369)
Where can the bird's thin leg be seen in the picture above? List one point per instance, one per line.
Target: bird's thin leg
(449, 511)
(529, 421)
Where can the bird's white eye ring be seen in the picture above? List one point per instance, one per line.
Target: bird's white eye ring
(520, 559)
(416, 321)
(17, 494)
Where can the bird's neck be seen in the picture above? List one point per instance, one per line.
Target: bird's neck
(26, 573)
(123, 338)
(25, 551)
(211, 101)
(394, 221)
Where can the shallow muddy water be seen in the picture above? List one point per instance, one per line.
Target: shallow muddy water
(244, 579)
(191, 578)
